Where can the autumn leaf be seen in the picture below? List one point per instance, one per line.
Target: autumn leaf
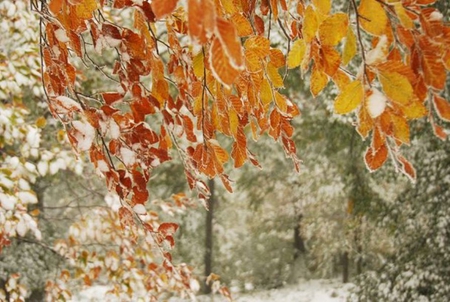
(318, 80)
(442, 107)
(396, 86)
(243, 26)
(162, 8)
(310, 24)
(374, 159)
(407, 168)
(259, 45)
(230, 42)
(220, 64)
(274, 76)
(333, 29)
(372, 17)
(350, 47)
(296, 54)
(323, 6)
(349, 98)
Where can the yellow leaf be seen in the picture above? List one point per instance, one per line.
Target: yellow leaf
(404, 18)
(350, 47)
(265, 92)
(310, 24)
(198, 65)
(297, 53)
(274, 76)
(415, 109)
(333, 29)
(280, 100)
(318, 80)
(322, 6)
(349, 98)
(373, 17)
(396, 86)
(401, 128)
(85, 8)
(234, 121)
(41, 122)
(341, 79)
(228, 6)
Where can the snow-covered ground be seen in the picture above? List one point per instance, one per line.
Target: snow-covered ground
(304, 291)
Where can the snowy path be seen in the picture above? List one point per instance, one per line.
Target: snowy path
(304, 291)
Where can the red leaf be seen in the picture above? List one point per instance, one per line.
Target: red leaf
(111, 97)
(126, 217)
(167, 228)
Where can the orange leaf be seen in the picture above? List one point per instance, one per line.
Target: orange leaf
(162, 8)
(201, 19)
(318, 80)
(439, 131)
(243, 26)
(331, 60)
(374, 159)
(221, 67)
(433, 69)
(407, 168)
(442, 107)
(230, 42)
(260, 45)
(373, 17)
(277, 58)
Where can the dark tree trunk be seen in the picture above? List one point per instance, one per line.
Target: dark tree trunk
(299, 244)
(358, 236)
(209, 235)
(345, 267)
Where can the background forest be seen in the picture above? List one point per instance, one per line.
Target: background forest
(384, 233)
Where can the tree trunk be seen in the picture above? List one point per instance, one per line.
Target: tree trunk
(209, 235)
(358, 244)
(345, 267)
(299, 244)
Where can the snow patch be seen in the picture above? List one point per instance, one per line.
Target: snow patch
(376, 103)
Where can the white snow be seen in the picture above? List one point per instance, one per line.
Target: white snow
(379, 53)
(140, 209)
(304, 291)
(128, 156)
(436, 16)
(61, 35)
(376, 103)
